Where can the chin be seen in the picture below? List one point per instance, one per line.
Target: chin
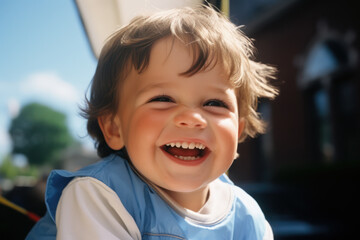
(190, 187)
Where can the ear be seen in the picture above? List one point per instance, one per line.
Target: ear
(111, 129)
(241, 126)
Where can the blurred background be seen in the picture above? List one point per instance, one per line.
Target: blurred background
(303, 171)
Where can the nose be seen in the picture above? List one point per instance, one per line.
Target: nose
(190, 118)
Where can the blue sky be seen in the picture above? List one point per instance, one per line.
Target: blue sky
(44, 57)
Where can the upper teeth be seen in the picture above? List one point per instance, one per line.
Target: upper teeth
(186, 145)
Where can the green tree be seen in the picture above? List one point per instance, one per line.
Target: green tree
(40, 133)
(10, 171)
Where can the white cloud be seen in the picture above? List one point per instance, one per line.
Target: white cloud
(5, 142)
(13, 107)
(50, 85)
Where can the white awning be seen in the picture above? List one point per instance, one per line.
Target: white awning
(102, 17)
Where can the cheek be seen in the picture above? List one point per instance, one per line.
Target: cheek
(228, 132)
(229, 126)
(144, 129)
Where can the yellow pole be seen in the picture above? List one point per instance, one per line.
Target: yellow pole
(9, 204)
(225, 7)
(12, 205)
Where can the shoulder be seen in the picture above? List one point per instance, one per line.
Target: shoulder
(112, 171)
(88, 186)
(247, 202)
(242, 200)
(246, 215)
(268, 233)
(249, 213)
(86, 200)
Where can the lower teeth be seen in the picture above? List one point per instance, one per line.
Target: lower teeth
(187, 158)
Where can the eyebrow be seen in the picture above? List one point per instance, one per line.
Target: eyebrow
(153, 86)
(215, 88)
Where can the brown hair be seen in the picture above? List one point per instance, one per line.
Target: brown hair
(213, 39)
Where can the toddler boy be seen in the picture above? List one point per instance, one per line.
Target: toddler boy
(172, 96)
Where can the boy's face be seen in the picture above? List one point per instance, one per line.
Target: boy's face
(198, 114)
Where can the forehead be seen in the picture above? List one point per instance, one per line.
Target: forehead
(168, 52)
(169, 60)
(173, 56)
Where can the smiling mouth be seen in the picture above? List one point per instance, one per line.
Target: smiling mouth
(187, 151)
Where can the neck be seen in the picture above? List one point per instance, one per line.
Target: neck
(193, 201)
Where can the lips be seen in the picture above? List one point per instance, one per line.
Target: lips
(186, 151)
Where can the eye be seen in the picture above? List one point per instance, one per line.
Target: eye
(216, 103)
(162, 98)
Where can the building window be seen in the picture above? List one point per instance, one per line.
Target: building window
(331, 91)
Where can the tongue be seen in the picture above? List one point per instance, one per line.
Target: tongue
(183, 152)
